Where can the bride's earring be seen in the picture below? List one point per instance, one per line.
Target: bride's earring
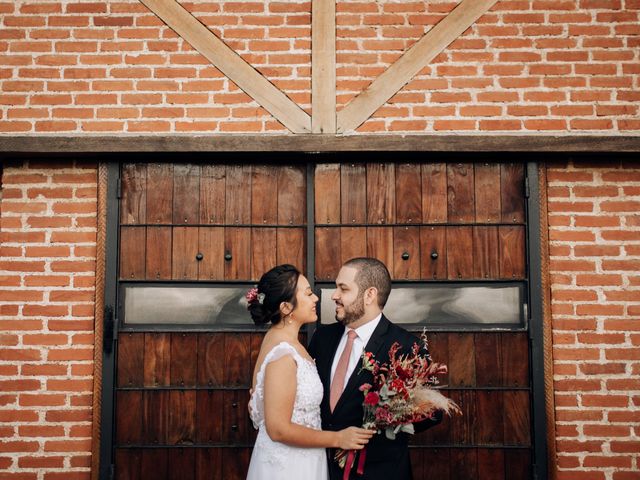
(289, 318)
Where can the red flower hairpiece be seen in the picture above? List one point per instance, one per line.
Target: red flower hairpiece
(253, 296)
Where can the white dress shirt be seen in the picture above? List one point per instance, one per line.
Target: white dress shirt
(364, 334)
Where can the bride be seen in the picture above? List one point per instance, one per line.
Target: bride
(285, 404)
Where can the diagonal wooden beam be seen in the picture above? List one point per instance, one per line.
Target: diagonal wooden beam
(358, 110)
(323, 66)
(231, 64)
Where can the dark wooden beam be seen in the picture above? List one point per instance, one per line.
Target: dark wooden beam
(318, 143)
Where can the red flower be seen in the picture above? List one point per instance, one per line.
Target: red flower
(402, 373)
(372, 399)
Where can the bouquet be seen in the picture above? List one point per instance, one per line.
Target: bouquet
(401, 394)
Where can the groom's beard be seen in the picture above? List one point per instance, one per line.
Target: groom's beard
(353, 312)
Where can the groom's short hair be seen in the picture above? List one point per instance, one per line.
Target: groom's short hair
(371, 272)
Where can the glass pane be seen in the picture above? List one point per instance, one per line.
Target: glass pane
(186, 305)
(446, 305)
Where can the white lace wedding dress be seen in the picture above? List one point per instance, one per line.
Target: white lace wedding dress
(276, 461)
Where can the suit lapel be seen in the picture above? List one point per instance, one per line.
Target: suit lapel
(357, 377)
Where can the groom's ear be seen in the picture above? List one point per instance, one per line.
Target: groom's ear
(371, 296)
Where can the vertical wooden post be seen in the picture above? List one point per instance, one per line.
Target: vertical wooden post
(323, 66)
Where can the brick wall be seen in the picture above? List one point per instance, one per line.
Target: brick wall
(594, 227)
(87, 67)
(47, 278)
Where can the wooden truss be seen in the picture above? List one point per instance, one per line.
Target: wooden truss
(324, 118)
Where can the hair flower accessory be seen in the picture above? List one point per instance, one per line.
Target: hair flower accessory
(253, 296)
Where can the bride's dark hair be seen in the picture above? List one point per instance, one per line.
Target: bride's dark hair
(278, 285)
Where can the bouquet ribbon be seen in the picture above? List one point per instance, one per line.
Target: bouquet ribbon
(351, 457)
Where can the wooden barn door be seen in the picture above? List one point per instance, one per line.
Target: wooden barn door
(190, 231)
(446, 226)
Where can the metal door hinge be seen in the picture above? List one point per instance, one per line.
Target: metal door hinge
(119, 189)
(526, 187)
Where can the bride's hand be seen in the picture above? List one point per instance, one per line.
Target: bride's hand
(354, 438)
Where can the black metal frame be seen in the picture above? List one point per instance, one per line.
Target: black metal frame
(536, 327)
(534, 314)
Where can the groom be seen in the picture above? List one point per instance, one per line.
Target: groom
(362, 288)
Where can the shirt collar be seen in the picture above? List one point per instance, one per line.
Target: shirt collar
(365, 331)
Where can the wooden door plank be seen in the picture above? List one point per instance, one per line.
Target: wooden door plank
(439, 351)
(515, 359)
(464, 463)
(381, 196)
(462, 365)
(238, 194)
(211, 246)
(406, 240)
(264, 202)
(184, 265)
(186, 193)
(488, 423)
(517, 418)
(410, 63)
(437, 464)
(327, 193)
(130, 359)
(408, 193)
(128, 464)
(159, 193)
(263, 251)
(212, 194)
(183, 359)
(181, 464)
(157, 359)
(491, 464)
(235, 428)
(485, 252)
(353, 195)
(231, 64)
(487, 192)
(237, 355)
(433, 253)
(380, 245)
(158, 254)
(211, 363)
(459, 244)
(182, 417)
(209, 404)
(291, 247)
(154, 462)
(353, 243)
(292, 200)
(434, 193)
(328, 254)
(132, 253)
(488, 353)
(512, 192)
(517, 464)
(460, 199)
(133, 205)
(417, 462)
(323, 66)
(209, 464)
(156, 417)
(236, 463)
(512, 252)
(129, 417)
(237, 243)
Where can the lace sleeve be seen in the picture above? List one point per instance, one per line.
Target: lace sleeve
(257, 399)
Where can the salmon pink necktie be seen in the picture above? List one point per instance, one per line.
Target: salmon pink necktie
(337, 385)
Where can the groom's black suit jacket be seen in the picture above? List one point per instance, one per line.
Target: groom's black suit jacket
(386, 458)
